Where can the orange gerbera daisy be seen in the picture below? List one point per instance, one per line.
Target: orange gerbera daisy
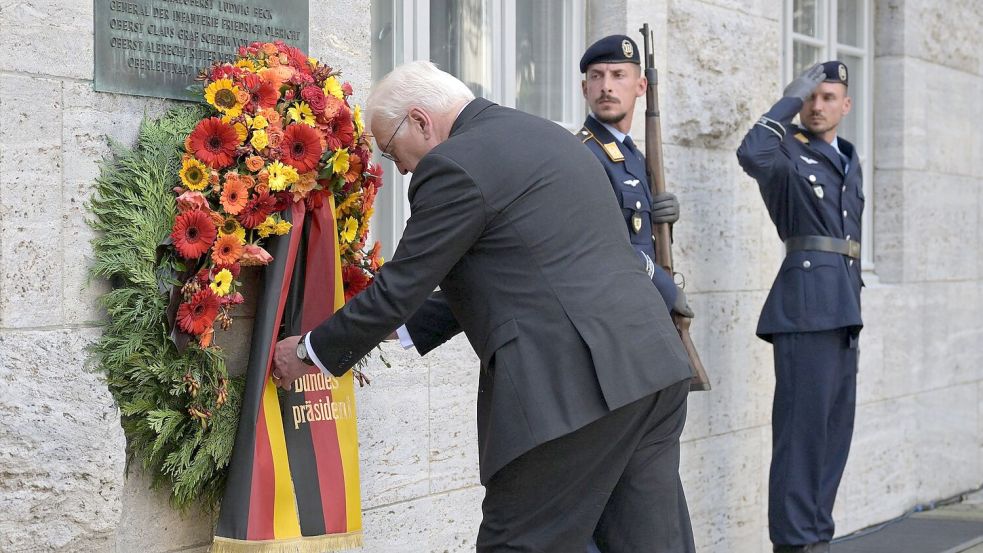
(227, 250)
(198, 315)
(194, 232)
(234, 196)
(214, 142)
(301, 147)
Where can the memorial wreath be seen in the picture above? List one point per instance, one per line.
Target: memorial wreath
(183, 212)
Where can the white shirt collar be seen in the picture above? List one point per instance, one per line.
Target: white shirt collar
(620, 136)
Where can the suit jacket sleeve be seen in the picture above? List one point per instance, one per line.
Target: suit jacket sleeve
(760, 153)
(448, 217)
(432, 324)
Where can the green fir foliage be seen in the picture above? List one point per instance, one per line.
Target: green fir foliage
(179, 411)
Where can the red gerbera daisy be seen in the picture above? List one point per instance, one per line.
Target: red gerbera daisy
(194, 232)
(355, 280)
(301, 147)
(342, 129)
(198, 314)
(214, 142)
(257, 210)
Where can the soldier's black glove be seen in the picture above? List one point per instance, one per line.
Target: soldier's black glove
(681, 306)
(665, 208)
(804, 84)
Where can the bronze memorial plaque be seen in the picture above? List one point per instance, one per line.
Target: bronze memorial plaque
(157, 47)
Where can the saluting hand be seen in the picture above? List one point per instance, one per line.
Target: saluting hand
(804, 84)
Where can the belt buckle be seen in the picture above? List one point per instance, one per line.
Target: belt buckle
(854, 249)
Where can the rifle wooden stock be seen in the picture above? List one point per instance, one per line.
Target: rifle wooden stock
(655, 167)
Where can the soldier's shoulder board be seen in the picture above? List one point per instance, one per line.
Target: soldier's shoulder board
(801, 138)
(611, 149)
(584, 135)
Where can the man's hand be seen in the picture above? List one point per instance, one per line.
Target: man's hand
(287, 367)
(681, 306)
(806, 83)
(665, 208)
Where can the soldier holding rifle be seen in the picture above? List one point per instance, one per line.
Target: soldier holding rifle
(811, 182)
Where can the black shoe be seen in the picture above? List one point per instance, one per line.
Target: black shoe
(792, 549)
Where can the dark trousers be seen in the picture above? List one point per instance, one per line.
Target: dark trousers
(616, 479)
(812, 424)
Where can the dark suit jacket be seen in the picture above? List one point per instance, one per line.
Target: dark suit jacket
(808, 193)
(534, 264)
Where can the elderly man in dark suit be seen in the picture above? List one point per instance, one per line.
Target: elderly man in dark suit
(583, 383)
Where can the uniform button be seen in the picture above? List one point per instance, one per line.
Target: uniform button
(653, 237)
(851, 263)
(843, 189)
(812, 178)
(638, 205)
(847, 236)
(844, 213)
(807, 264)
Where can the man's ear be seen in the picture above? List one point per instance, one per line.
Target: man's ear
(420, 119)
(642, 87)
(583, 88)
(847, 104)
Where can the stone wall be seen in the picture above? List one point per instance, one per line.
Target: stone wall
(63, 480)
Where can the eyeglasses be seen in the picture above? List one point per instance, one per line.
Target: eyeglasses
(385, 151)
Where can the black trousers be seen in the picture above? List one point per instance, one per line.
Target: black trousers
(616, 479)
(812, 425)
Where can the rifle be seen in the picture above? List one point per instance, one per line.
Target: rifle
(655, 169)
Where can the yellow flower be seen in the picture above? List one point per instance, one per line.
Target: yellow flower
(313, 62)
(222, 283)
(359, 123)
(246, 64)
(258, 122)
(301, 113)
(241, 132)
(347, 205)
(333, 87)
(224, 96)
(350, 230)
(231, 226)
(282, 227)
(340, 161)
(194, 174)
(259, 140)
(281, 175)
(267, 227)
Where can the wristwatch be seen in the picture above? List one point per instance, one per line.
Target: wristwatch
(302, 351)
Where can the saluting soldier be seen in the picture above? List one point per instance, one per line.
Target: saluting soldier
(613, 81)
(811, 182)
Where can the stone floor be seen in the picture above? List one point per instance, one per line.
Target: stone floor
(955, 527)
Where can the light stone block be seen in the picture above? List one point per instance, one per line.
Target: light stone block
(714, 92)
(944, 33)
(340, 36)
(455, 519)
(718, 243)
(61, 446)
(403, 527)
(31, 275)
(881, 461)
(393, 429)
(738, 363)
(938, 211)
(150, 525)
(890, 246)
(945, 442)
(725, 491)
(453, 421)
(53, 38)
(890, 123)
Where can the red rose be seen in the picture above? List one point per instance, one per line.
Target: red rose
(314, 97)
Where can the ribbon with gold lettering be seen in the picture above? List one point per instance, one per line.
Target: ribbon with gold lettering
(293, 479)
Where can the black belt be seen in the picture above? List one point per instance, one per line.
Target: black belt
(849, 248)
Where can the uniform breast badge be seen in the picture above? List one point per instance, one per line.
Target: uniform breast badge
(636, 222)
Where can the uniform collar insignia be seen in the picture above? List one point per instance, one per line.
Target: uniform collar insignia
(801, 138)
(611, 149)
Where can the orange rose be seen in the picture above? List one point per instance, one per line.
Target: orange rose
(275, 135)
(254, 163)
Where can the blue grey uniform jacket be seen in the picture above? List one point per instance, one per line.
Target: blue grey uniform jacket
(807, 192)
(631, 186)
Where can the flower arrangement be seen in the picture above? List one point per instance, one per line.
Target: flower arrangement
(281, 130)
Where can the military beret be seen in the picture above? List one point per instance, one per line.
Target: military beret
(611, 49)
(836, 72)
